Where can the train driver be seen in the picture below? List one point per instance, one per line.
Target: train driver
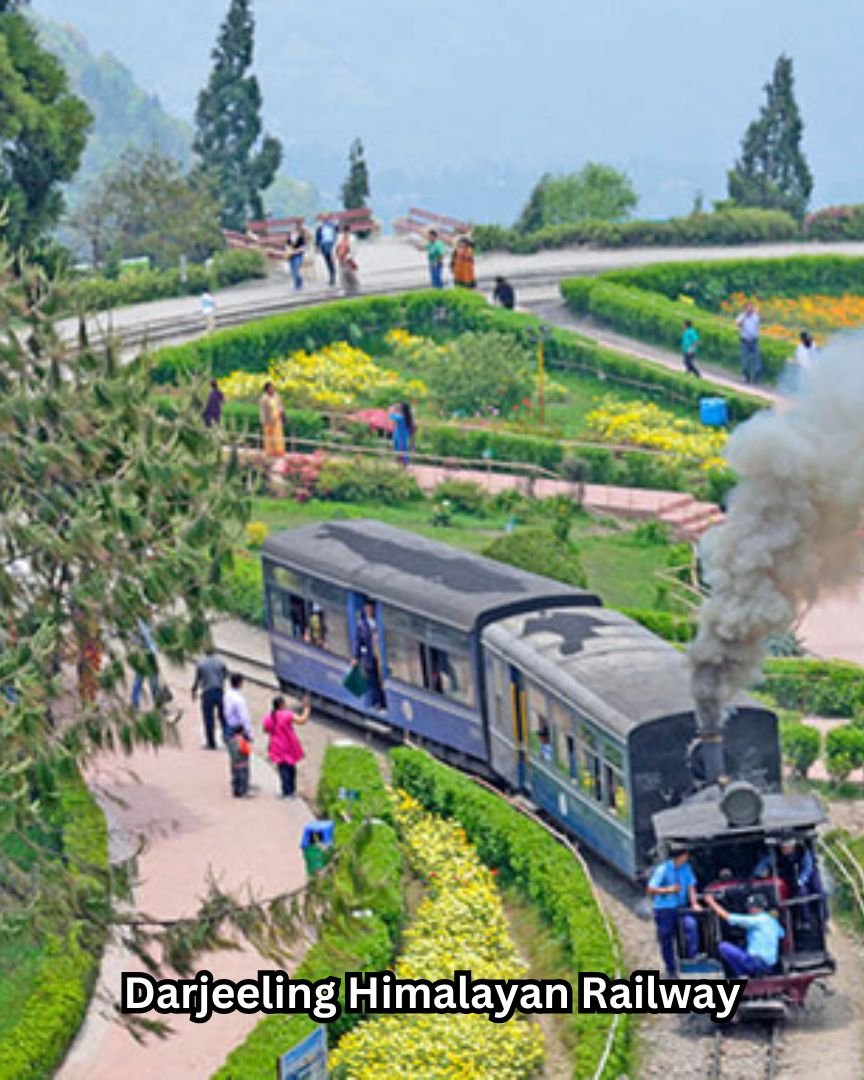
(671, 887)
(763, 939)
(797, 869)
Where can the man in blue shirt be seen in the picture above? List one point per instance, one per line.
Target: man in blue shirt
(673, 886)
(689, 345)
(763, 939)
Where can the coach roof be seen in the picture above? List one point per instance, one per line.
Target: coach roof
(434, 580)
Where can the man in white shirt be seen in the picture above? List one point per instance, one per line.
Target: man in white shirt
(238, 732)
(748, 331)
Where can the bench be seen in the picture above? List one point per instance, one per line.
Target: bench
(419, 222)
(274, 227)
(359, 220)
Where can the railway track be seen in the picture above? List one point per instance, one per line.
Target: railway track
(736, 1055)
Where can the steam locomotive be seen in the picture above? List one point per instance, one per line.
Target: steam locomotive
(535, 685)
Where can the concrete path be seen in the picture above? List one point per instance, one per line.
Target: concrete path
(393, 263)
(177, 801)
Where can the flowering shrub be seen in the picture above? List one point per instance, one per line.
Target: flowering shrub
(256, 533)
(333, 377)
(786, 316)
(460, 924)
(298, 474)
(646, 424)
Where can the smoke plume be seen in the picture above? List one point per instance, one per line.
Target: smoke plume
(791, 529)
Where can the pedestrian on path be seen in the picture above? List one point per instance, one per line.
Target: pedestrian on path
(285, 750)
(272, 426)
(436, 249)
(208, 310)
(325, 242)
(238, 728)
(210, 676)
(689, 345)
(296, 251)
(462, 264)
(213, 409)
(504, 293)
(347, 263)
(147, 643)
(748, 331)
(404, 430)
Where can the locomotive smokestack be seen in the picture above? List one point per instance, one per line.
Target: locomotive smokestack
(791, 530)
(709, 721)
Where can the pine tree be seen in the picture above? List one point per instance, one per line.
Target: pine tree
(228, 123)
(355, 189)
(772, 171)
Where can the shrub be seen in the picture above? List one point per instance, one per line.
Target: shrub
(540, 552)
(366, 481)
(34, 1046)
(480, 373)
(844, 751)
(836, 223)
(256, 533)
(244, 589)
(801, 745)
(525, 855)
(365, 944)
(464, 496)
(666, 624)
(816, 687)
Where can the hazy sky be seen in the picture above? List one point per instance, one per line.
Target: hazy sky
(664, 88)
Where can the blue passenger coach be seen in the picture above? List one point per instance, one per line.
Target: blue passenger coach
(515, 676)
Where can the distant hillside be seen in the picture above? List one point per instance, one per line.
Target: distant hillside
(124, 114)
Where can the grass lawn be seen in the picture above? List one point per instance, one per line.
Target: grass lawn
(620, 566)
(19, 963)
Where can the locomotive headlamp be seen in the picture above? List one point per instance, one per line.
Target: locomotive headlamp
(741, 804)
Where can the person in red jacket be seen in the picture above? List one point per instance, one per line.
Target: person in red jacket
(285, 750)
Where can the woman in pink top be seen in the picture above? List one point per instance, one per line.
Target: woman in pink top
(285, 749)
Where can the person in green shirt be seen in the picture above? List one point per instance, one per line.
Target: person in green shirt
(315, 855)
(436, 249)
(689, 345)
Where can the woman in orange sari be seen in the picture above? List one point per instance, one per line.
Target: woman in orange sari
(462, 264)
(270, 408)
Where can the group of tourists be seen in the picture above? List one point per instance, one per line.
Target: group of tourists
(223, 702)
(749, 326)
(334, 244)
(673, 890)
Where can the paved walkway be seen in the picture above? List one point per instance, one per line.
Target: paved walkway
(177, 800)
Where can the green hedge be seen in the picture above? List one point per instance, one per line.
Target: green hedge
(815, 687)
(539, 551)
(744, 226)
(665, 624)
(369, 946)
(650, 316)
(525, 855)
(440, 314)
(54, 1010)
(244, 589)
(98, 293)
(836, 223)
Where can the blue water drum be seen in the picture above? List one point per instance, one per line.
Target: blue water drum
(713, 411)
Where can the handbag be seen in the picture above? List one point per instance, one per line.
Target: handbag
(355, 682)
(244, 748)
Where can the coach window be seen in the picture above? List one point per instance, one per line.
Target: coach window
(446, 661)
(592, 772)
(561, 729)
(328, 616)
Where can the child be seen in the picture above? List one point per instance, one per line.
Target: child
(285, 750)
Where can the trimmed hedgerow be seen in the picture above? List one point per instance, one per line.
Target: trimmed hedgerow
(665, 624)
(525, 855)
(362, 945)
(815, 687)
(55, 1008)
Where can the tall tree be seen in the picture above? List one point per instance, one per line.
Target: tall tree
(355, 189)
(228, 139)
(146, 206)
(772, 171)
(596, 193)
(43, 129)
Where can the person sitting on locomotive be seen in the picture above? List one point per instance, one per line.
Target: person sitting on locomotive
(672, 886)
(797, 869)
(367, 653)
(763, 939)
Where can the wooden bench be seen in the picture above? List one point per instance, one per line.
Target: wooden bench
(419, 222)
(275, 227)
(359, 220)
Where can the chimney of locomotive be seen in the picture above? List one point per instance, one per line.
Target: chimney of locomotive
(709, 722)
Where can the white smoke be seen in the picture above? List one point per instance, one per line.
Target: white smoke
(791, 529)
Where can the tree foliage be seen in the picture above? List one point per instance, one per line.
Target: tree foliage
(43, 130)
(355, 189)
(596, 193)
(146, 206)
(478, 373)
(228, 142)
(772, 171)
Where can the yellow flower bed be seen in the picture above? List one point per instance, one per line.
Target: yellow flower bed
(786, 317)
(460, 924)
(332, 377)
(646, 424)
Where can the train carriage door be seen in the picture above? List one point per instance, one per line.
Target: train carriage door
(519, 719)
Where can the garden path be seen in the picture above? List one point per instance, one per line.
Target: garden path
(177, 801)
